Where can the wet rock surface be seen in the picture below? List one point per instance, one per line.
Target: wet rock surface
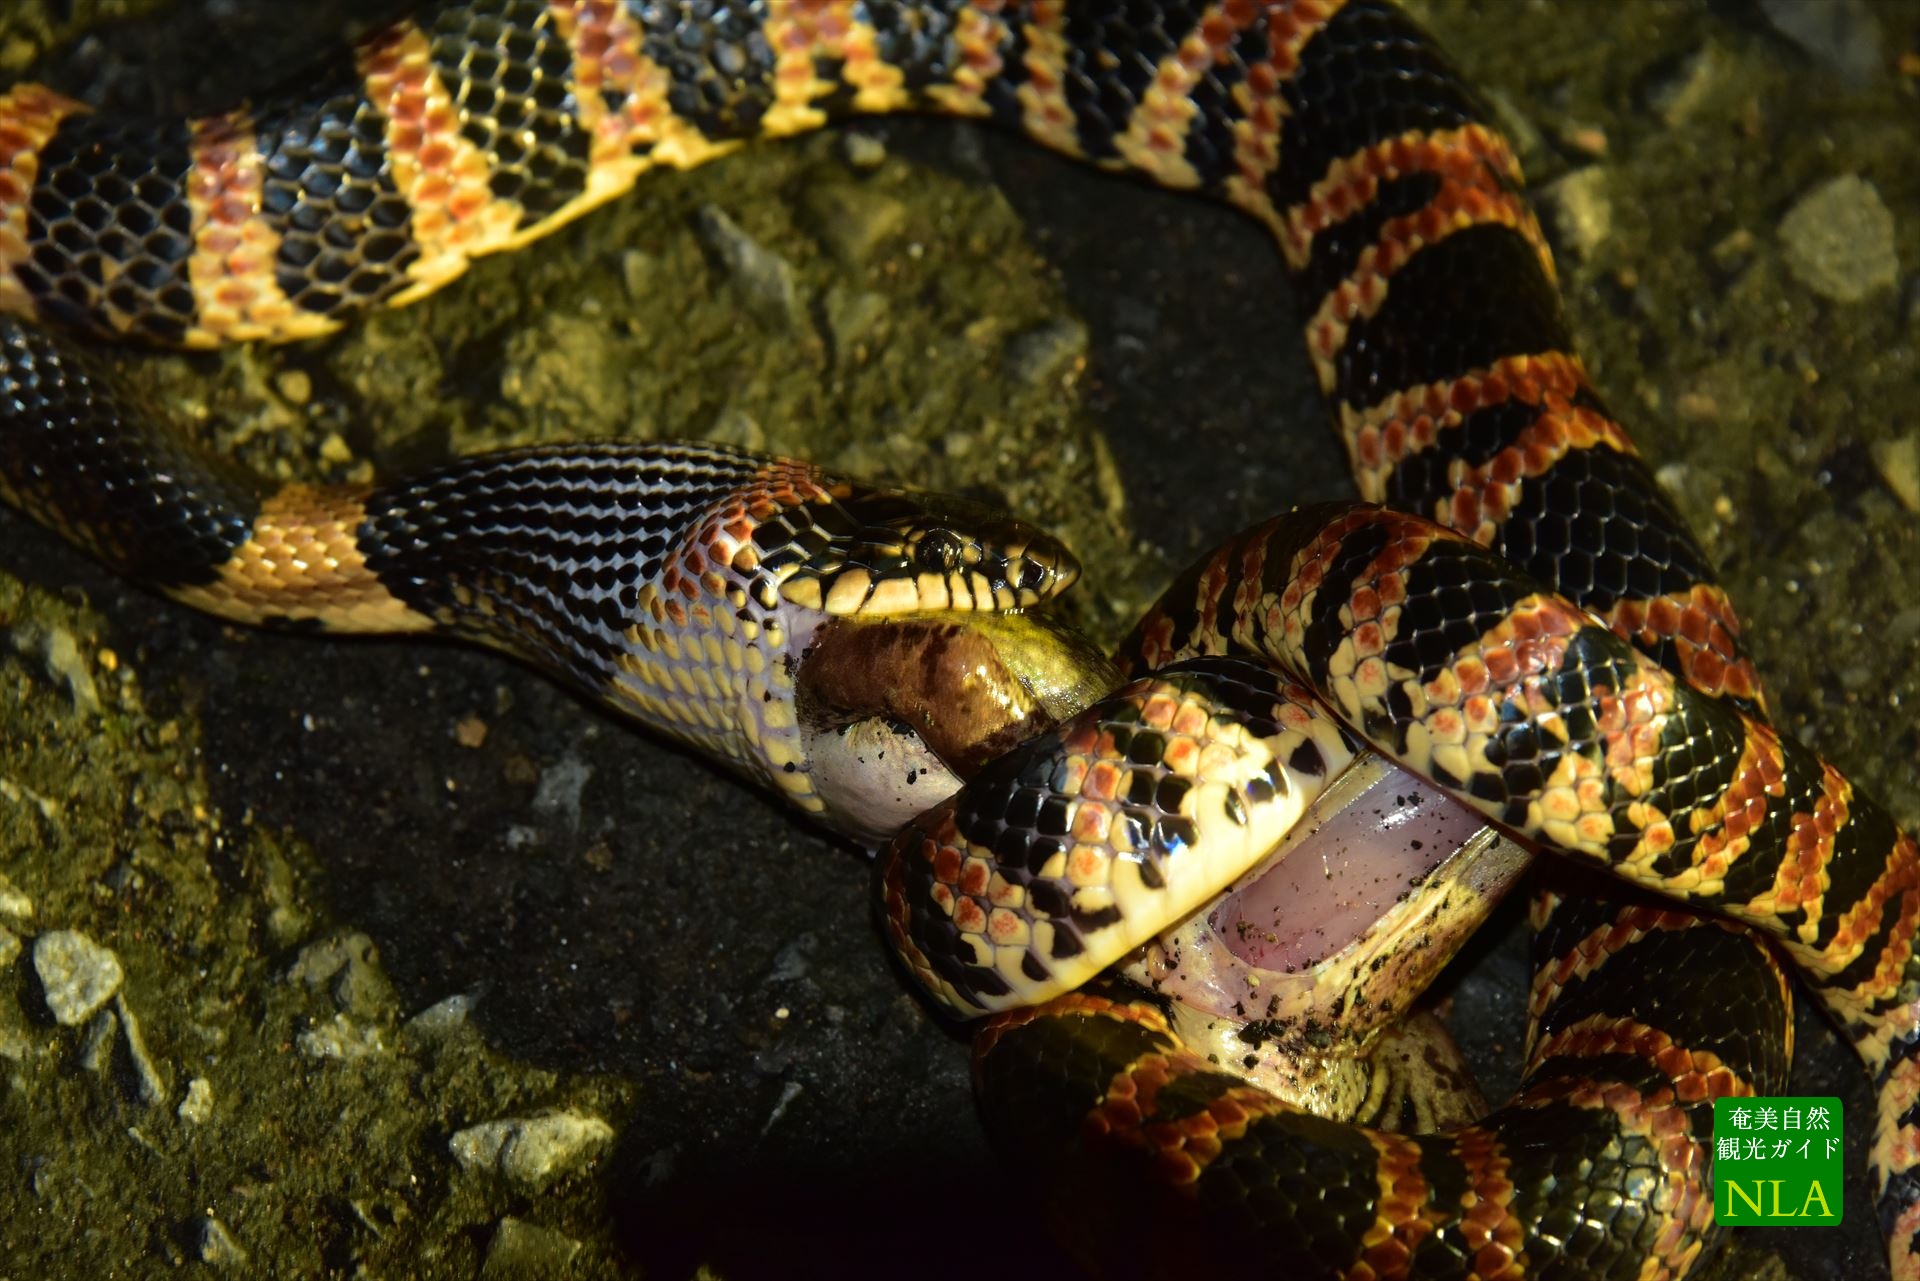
(568, 917)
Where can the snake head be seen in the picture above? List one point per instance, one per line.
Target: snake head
(881, 553)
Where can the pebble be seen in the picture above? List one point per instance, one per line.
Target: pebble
(197, 1107)
(1898, 461)
(443, 1016)
(149, 1086)
(59, 655)
(763, 276)
(1841, 35)
(341, 1039)
(560, 787)
(470, 732)
(1588, 140)
(350, 965)
(1839, 240)
(530, 1150)
(863, 150)
(77, 975)
(853, 318)
(1734, 250)
(1686, 85)
(217, 1246)
(294, 385)
(526, 1250)
(335, 449)
(96, 1047)
(1049, 350)
(17, 53)
(12, 902)
(852, 220)
(1904, 627)
(1581, 209)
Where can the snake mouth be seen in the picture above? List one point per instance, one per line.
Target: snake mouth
(1344, 923)
(896, 713)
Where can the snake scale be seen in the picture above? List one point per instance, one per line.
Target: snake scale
(668, 579)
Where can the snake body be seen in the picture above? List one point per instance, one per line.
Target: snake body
(1611, 714)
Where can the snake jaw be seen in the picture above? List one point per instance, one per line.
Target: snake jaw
(882, 554)
(896, 713)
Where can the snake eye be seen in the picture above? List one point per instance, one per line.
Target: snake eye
(1032, 574)
(939, 552)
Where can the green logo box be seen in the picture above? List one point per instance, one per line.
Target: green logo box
(1777, 1162)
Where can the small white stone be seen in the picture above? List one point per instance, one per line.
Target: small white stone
(530, 1150)
(78, 975)
(197, 1107)
(341, 1038)
(12, 902)
(442, 1016)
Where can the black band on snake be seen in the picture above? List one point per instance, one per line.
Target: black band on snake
(1525, 623)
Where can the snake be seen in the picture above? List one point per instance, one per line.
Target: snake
(1514, 612)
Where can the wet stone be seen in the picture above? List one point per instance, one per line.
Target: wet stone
(1678, 89)
(561, 786)
(764, 277)
(443, 1016)
(530, 1150)
(287, 920)
(217, 1246)
(852, 220)
(197, 1107)
(342, 1039)
(1839, 240)
(12, 902)
(862, 150)
(294, 385)
(1898, 462)
(60, 657)
(77, 975)
(149, 1086)
(348, 968)
(520, 1251)
(854, 320)
(96, 1047)
(1581, 210)
(1046, 352)
(1843, 36)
